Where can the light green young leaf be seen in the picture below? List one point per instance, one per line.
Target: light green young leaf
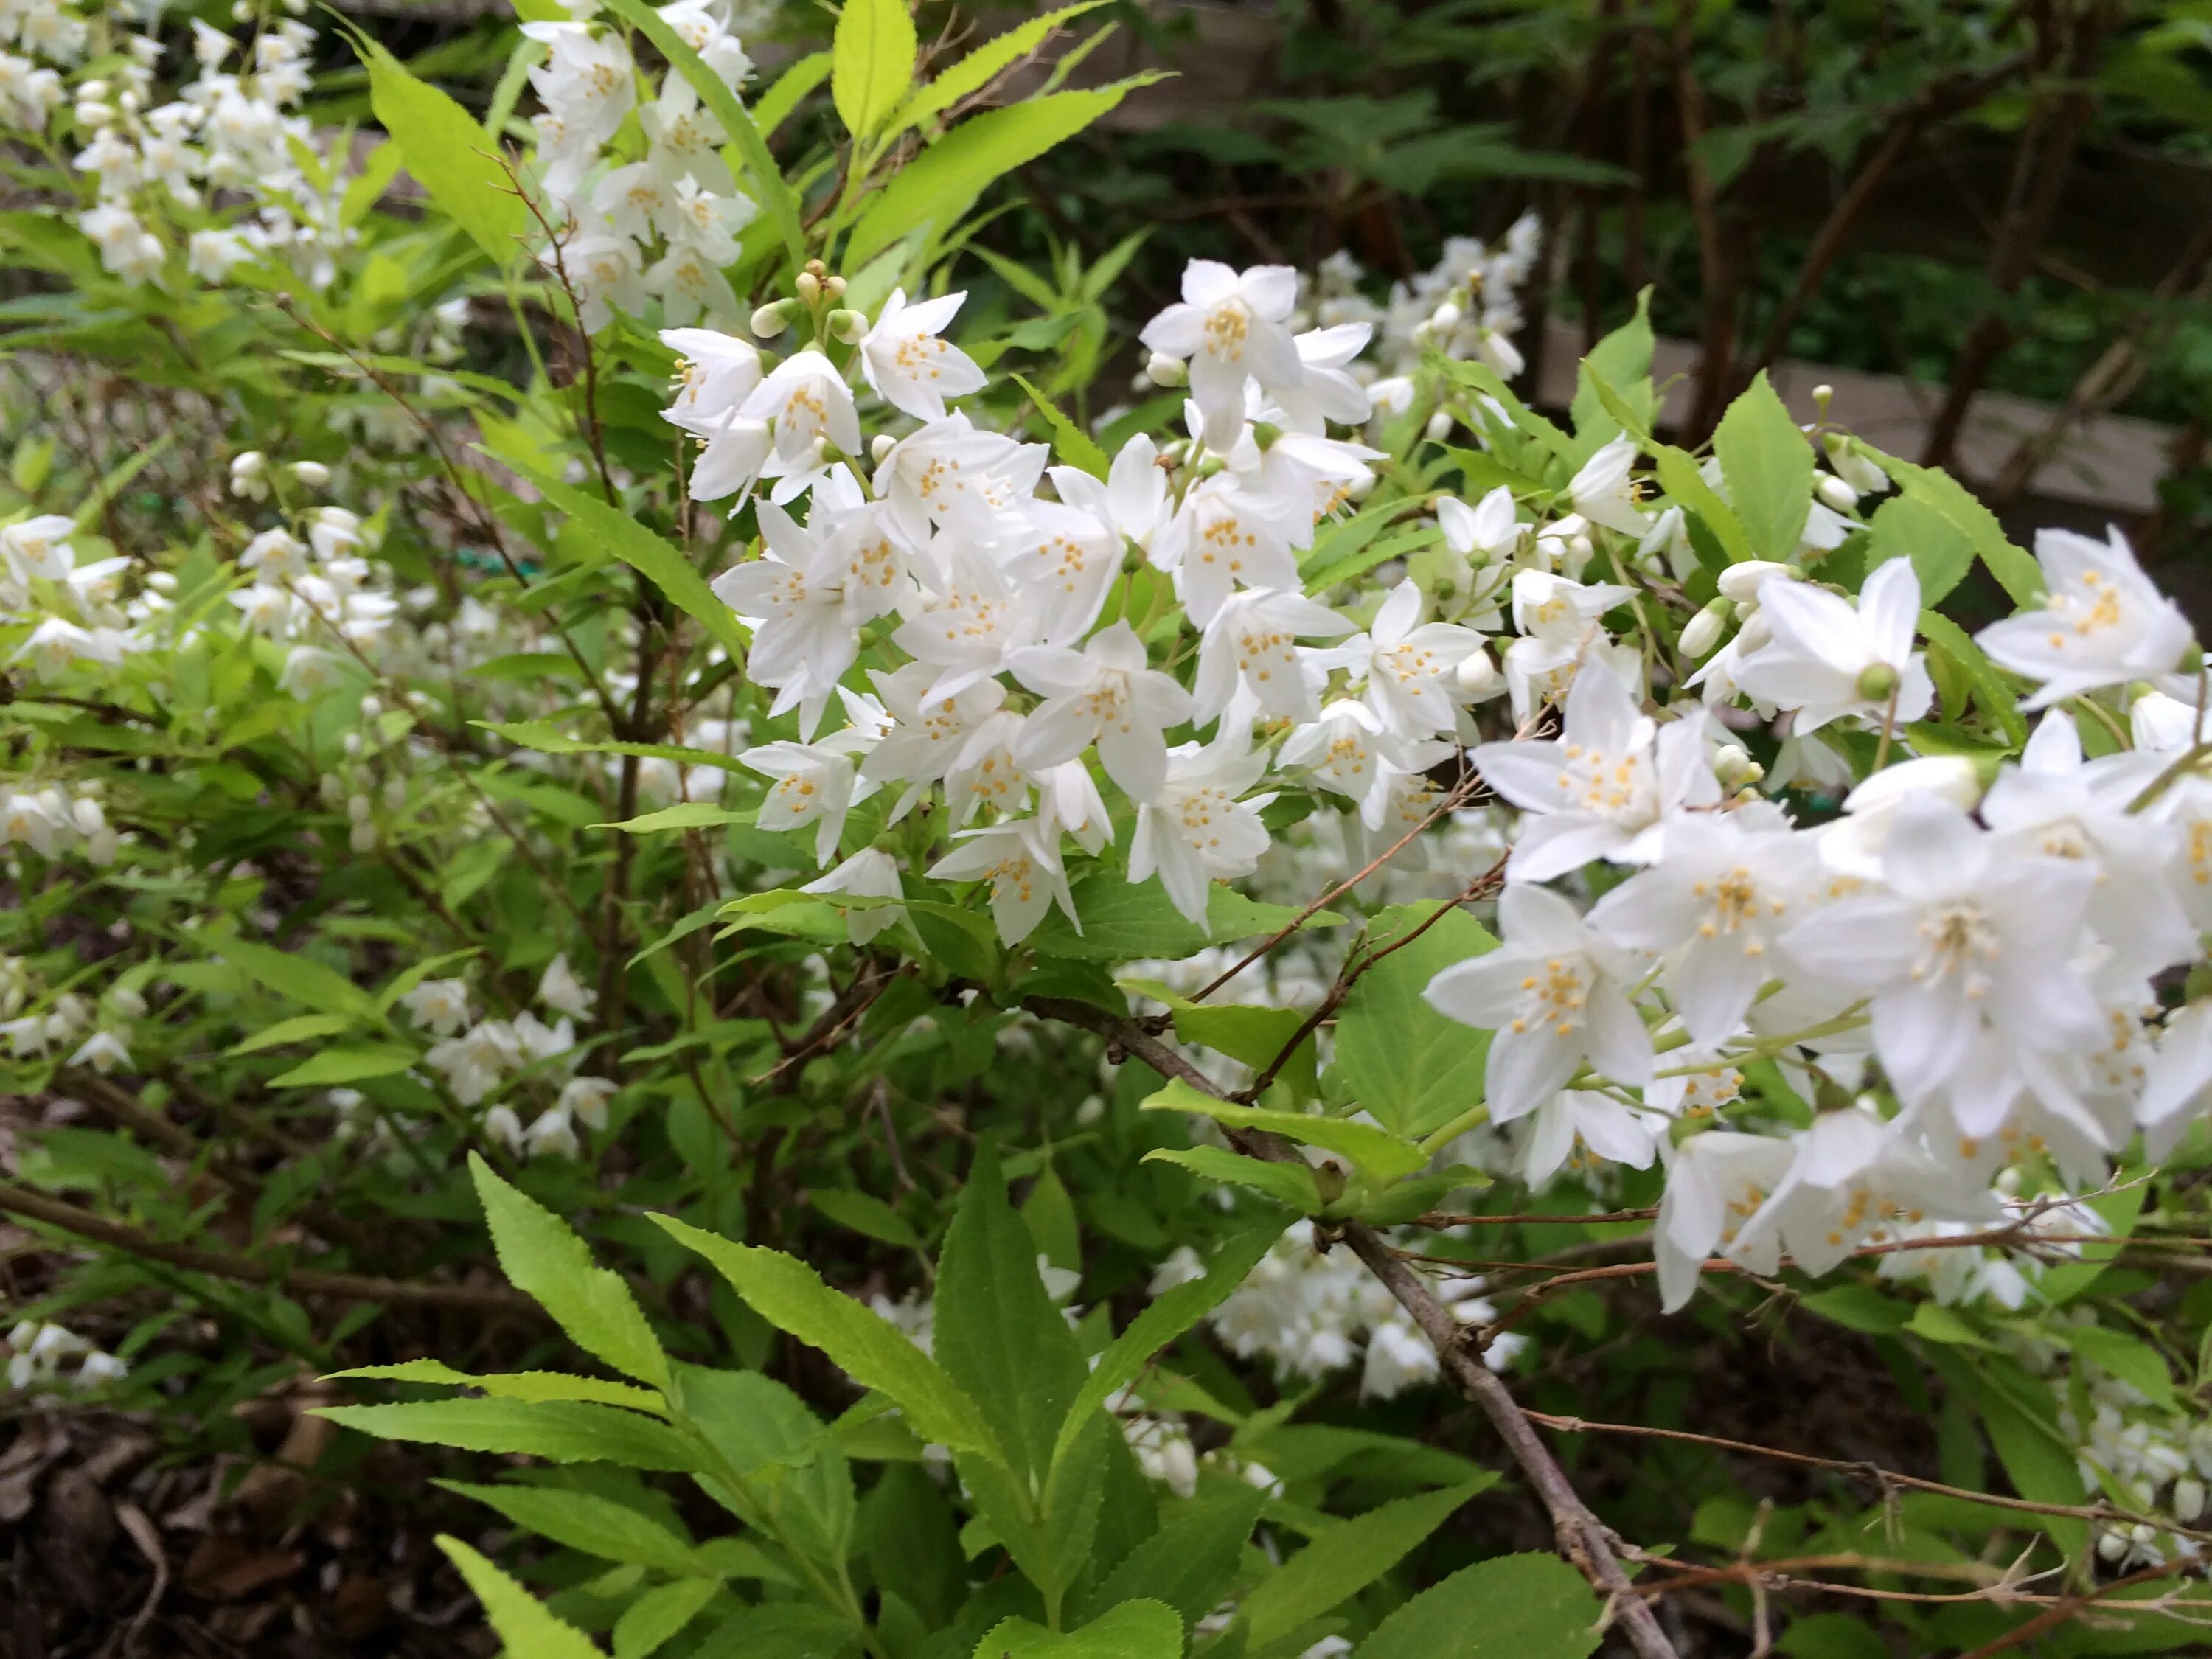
(1376, 1152)
(1679, 478)
(2016, 573)
(865, 1214)
(684, 815)
(1405, 1062)
(515, 1385)
(1908, 528)
(653, 558)
(579, 1521)
(765, 179)
(774, 107)
(984, 64)
(997, 1332)
(298, 1028)
(448, 154)
(516, 1616)
(334, 1067)
(1073, 445)
(1513, 1607)
(944, 181)
(1345, 1560)
(1613, 393)
(873, 1351)
(1164, 1319)
(1769, 468)
(2130, 1358)
(560, 1431)
(1989, 682)
(547, 1261)
(872, 63)
(1244, 1031)
(1287, 1184)
(297, 979)
(659, 1616)
(1134, 1630)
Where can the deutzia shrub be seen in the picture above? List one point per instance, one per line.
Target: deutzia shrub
(639, 714)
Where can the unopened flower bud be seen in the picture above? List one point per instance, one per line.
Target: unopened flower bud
(809, 286)
(94, 88)
(242, 12)
(1877, 682)
(1476, 674)
(847, 326)
(1445, 316)
(93, 114)
(357, 808)
(1165, 371)
(1835, 493)
(351, 745)
(1741, 583)
(1703, 631)
(372, 707)
(1264, 434)
(1733, 766)
(833, 287)
(881, 446)
(1438, 428)
(395, 793)
(162, 581)
(313, 474)
(363, 838)
(769, 321)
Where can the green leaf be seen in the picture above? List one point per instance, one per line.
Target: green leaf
(1243, 1032)
(1989, 682)
(865, 1214)
(1410, 1067)
(1123, 921)
(872, 63)
(1164, 1319)
(1679, 478)
(1613, 392)
(657, 1617)
(1287, 1184)
(1134, 1630)
(1075, 446)
(774, 107)
(547, 1261)
(2037, 1459)
(1376, 1152)
(2130, 1358)
(1907, 527)
(543, 737)
(298, 1028)
(448, 154)
(334, 1067)
(1191, 1562)
(2016, 573)
(579, 1521)
(560, 1431)
(937, 186)
(684, 815)
(788, 1456)
(1934, 1323)
(984, 64)
(646, 553)
(766, 178)
(873, 1352)
(1514, 1606)
(998, 1333)
(1769, 468)
(297, 979)
(517, 1617)
(515, 1385)
(1344, 1560)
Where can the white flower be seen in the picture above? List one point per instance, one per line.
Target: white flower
(1021, 860)
(586, 1098)
(1604, 788)
(927, 734)
(1713, 905)
(1231, 328)
(912, 368)
(1352, 754)
(1489, 527)
(2103, 621)
(1409, 667)
(1223, 537)
(1069, 558)
(1827, 659)
(1967, 959)
(39, 547)
(559, 989)
(1252, 642)
(971, 621)
(1109, 694)
(949, 474)
(869, 873)
(814, 783)
(551, 1134)
(808, 401)
(714, 372)
(438, 1004)
(1553, 995)
(1717, 1182)
(1603, 1128)
(688, 285)
(1132, 501)
(104, 1051)
(1603, 492)
(1196, 830)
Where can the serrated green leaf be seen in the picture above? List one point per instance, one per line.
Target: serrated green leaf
(2016, 573)
(448, 154)
(560, 1431)
(874, 1353)
(1070, 442)
(515, 1385)
(1134, 1630)
(1768, 464)
(1123, 921)
(1908, 528)
(516, 1616)
(1376, 1152)
(581, 1521)
(659, 1616)
(865, 1214)
(298, 1028)
(546, 1261)
(296, 978)
(1345, 1560)
(1411, 1068)
(872, 63)
(983, 65)
(684, 815)
(1174, 1311)
(335, 1067)
(1190, 1562)
(1514, 1606)
(1287, 1184)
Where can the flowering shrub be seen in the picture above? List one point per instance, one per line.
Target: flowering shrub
(759, 774)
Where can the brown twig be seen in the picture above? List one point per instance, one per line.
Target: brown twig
(310, 1281)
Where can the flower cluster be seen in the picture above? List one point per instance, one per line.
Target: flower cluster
(38, 1350)
(476, 1057)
